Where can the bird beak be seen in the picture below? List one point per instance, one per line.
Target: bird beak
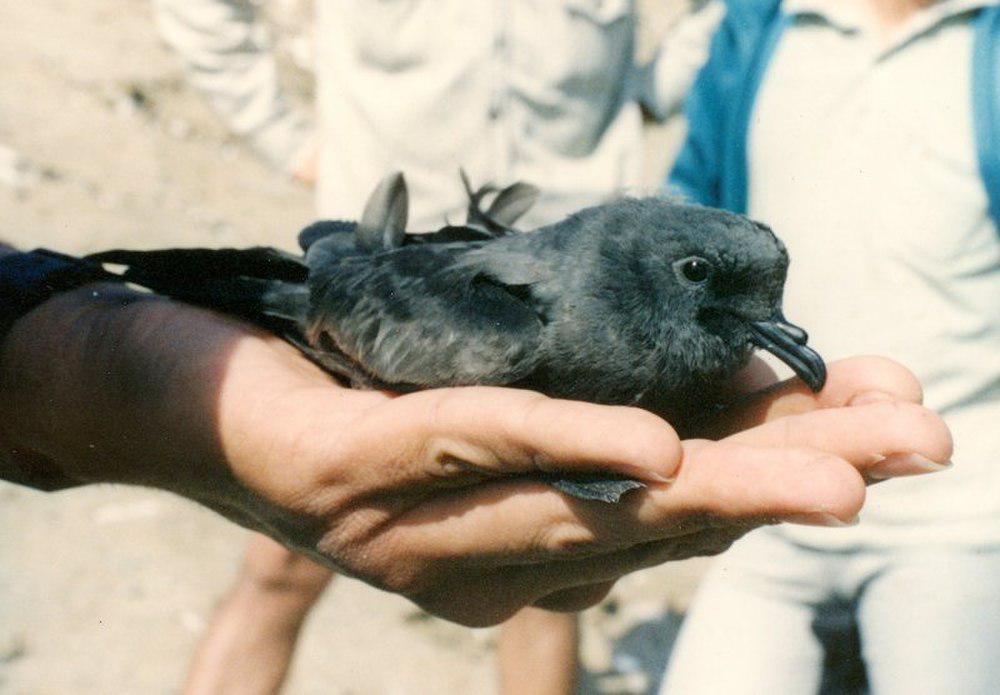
(787, 342)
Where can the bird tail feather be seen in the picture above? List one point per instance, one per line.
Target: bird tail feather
(263, 285)
(260, 262)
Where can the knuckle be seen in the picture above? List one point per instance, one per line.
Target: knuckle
(404, 580)
(892, 376)
(654, 425)
(714, 514)
(654, 440)
(899, 421)
(575, 599)
(357, 541)
(788, 428)
(532, 403)
(572, 540)
(424, 414)
(435, 407)
(890, 409)
(705, 549)
(406, 576)
(475, 608)
(704, 545)
(800, 455)
(457, 461)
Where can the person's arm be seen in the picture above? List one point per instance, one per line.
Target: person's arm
(696, 173)
(227, 56)
(418, 494)
(665, 81)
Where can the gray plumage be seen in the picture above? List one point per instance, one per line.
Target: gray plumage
(641, 301)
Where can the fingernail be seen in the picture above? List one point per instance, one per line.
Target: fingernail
(898, 465)
(646, 474)
(869, 397)
(821, 519)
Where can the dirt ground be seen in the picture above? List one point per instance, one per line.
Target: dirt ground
(106, 590)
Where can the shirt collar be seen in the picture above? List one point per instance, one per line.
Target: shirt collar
(847, 16)
(842, 15)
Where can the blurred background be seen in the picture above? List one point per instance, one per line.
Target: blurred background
(103, 144)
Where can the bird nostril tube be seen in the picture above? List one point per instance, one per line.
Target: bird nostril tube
(792, 331)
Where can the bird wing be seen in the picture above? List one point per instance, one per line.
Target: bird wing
(425, 316)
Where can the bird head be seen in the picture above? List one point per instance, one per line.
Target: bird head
(713, 283)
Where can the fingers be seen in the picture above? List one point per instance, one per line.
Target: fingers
(862, 434)
(578, 579)
(519, 536)
(806, 468)
(575, 599)
(567, 585)
(858, 376)
(513, 521)
(849, 381)
(527, 542)
(722, 485)
(486, 432)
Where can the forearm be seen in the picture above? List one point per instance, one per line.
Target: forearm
(106, 385)
(103, 384)
(66, 399)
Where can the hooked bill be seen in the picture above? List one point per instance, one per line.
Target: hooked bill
(788, 343)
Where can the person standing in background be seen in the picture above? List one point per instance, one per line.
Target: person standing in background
(547, 93)
(866, 134)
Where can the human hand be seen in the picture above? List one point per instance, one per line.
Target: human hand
(307, 169)
(415, 494)
(756, 395)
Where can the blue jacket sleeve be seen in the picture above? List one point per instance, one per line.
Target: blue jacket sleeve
(986, 103)
(696, 173)
(711, 166)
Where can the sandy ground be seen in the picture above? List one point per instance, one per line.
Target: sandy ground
(106, 590)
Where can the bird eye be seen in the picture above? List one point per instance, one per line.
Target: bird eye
(694, 270)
